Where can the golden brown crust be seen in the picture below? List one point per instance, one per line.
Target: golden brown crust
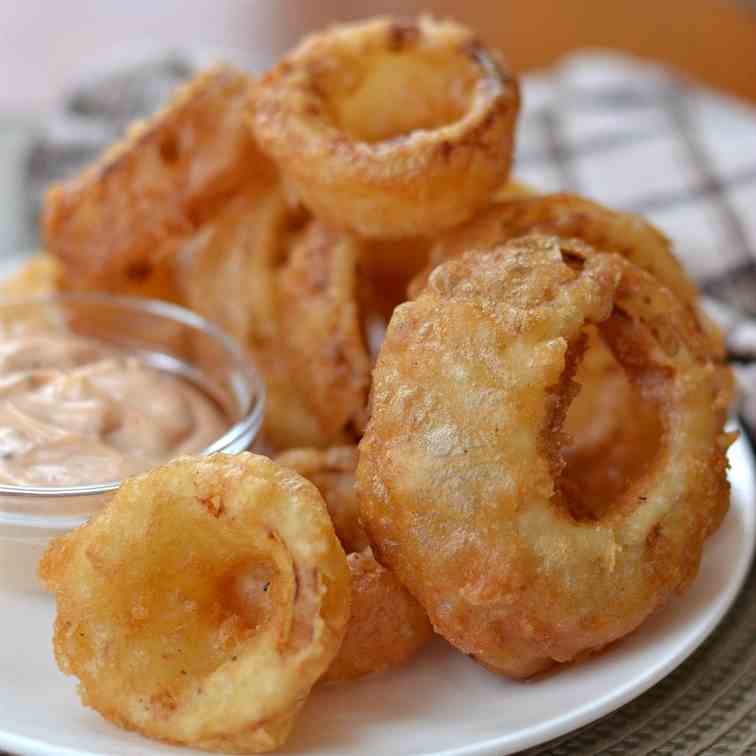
(390, 129)
(203, 603)
(44, 275)
(167, 176)
(321, 332)
(228, 272)
(287, 289)
(332, 472)
(227, 269)
(387, 626)
(568, 216)
(460, 468)
(388, 266)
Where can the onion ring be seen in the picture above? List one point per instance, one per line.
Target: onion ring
(460, 467)
(287, 289)
(386, 626)
(568, 216)
(167, 176)
(332, 472)
(203, 603)
(321, 333)
(390, 129)
(571, 216)
(227, 270)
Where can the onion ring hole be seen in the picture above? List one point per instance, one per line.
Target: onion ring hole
(610, 434)
(434, 88)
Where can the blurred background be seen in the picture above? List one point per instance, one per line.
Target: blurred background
(53, 54)
(45, 45)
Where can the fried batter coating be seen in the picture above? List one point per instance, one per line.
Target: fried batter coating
(332, 471)
(227, 269)
(289, 418)
(568, 216)
(228, 272)
(460, 478)
(387, 626)
(390, 265)
(203, 603)
(168, 175)
(159, 281)
(286, 288)
(321, 333)
(44, 275)
(390, 129)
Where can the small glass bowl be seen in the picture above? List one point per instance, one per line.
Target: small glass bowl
(164, 336)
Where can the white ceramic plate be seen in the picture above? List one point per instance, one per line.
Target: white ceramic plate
(442, 704)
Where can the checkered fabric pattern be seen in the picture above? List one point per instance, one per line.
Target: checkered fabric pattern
(634, 137)
(631, 136)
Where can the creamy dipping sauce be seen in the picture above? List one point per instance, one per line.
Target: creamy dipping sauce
(74, 411)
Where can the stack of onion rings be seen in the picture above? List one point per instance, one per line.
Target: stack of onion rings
(545, 455)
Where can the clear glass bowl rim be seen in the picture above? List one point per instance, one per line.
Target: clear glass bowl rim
(252, 415)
